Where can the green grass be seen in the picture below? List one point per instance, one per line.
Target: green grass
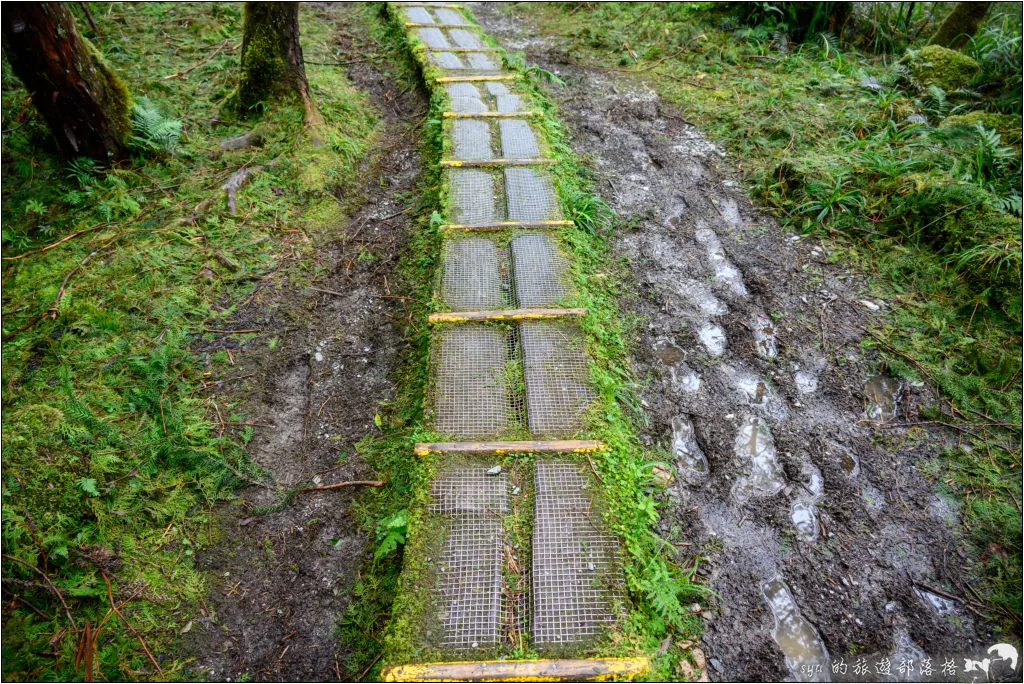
(112, 458)
(931, 209)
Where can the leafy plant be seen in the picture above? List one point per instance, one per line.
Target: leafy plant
(391, 532)
(154, 129)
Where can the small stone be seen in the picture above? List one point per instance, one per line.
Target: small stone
(686, 670)
(699, 658)
(496, 470)
(717, 664)
(871, 306)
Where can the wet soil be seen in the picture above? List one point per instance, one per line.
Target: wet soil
(708, 265)
(280, 582)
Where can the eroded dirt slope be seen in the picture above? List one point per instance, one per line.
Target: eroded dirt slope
(750, 359)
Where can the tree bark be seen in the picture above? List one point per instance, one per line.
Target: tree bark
(272, 63)
(85, 104)
(961, 24)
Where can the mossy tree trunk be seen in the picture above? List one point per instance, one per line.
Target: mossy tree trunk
(961, 24)
(272, 63)
(85, 104)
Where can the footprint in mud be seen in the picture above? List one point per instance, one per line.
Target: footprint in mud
(883, 397)
(761, 474)
(712, 336)
(764, 337)
(806, 494)
(693, 464)
(806, 382)
(684, 378)
(806, 655)
(754, 390)
(720, 264)
(699, 296)
(668, 352)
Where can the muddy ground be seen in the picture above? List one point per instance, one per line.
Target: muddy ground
(281, 582)
(882, 534)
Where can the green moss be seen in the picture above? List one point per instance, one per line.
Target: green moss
(115, 98)
(936, 65)
(1008, 126)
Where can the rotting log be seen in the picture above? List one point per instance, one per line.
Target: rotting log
(85, 104)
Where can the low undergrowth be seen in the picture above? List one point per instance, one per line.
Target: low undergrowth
(915, 183)
(113, 454)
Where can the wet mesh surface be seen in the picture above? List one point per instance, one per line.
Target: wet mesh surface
(465, 39)
(447, 60)
(462, 90)
(432, 37)
(530, 195)
(451, 17)
(497, 88)
(471, 139)
(472, 275)
(470, 606)
(541, 278)
(470, 398)
(575, 570)
(471, 196)
(418, 15)
(518, 140)
(509, 103)
(557, 377)
(468, 105)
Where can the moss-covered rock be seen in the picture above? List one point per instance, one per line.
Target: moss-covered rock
(936, 65)
(1006, 125)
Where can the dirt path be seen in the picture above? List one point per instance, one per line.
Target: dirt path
(280, 583)
(750, 359)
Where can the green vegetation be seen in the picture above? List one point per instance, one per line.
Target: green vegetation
(113, 278)
(900, 175)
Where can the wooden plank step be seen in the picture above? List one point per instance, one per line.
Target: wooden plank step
(489, 115)
(550, 446)
(472, 163)
(504, 315)
(507, 225)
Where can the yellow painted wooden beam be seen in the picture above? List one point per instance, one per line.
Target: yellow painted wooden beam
(471, 163)
(427, 4)
(504, 315)
(489, 115)
(475, 79)
(416, 24)
(507, 225)
(455, 49)
(550, 446)
(581, 670)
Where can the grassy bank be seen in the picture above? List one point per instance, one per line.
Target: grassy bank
(907, 164)
(121, 289)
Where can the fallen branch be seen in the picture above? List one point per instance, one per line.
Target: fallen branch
(205, 61)
(338, 485)
(110, 597)
(237, 179)
(67, 611)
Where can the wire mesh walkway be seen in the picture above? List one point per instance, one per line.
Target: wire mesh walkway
(502, 380)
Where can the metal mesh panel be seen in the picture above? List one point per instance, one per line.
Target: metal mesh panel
(469, 490)
(465, 39)
(449, 16)
(470, 579)
(446, 60)
(497, 88)
(462, 90)
(557, 377)
(432, 37)
(470, 393)
(482, 61)
(468, 104)
(471, 139)
(509, 103)
(471, 196)
(418, 15)
(472, 275)
(530, 195)
(540, 271)
(575, 570)
(518, 140)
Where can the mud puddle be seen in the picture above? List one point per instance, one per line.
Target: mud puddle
(280, 581)
(841, 510)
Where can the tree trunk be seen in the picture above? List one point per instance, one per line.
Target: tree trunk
(272, 64)
(85, 104)
(961, 24)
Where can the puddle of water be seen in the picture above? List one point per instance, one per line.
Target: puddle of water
(940, 604)
(668, 352)
(806, 382)
(752, 387)
(883, 397)
(700, 296)
(684, 378)
(803, 508)
(805, 652)
(691, 459)
(764, 337)
(712, 336)
(754, 449)
(720, 264)
(848, 460)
